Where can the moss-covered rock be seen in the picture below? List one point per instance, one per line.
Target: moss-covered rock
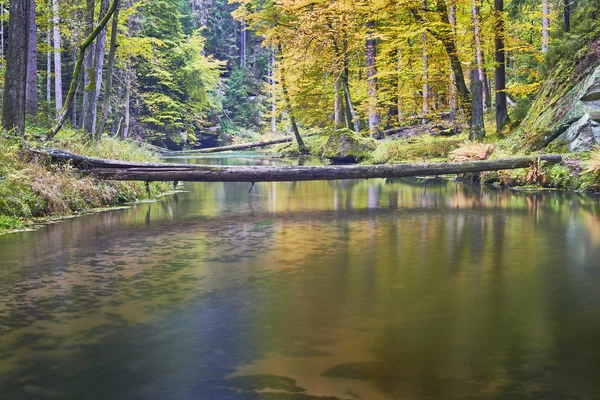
(424, 148)
(568, 106)
(345, 146)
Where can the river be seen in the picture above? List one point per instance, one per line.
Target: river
(372, 289)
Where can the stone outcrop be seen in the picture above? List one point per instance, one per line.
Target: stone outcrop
(568, 106)
(345, 146)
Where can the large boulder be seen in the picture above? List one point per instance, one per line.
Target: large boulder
(568, 106)
(345, 146)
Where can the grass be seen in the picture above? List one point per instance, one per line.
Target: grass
(31, 188)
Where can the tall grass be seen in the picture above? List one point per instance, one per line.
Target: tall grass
(32, 188)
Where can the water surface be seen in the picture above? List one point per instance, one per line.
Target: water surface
(367, 289)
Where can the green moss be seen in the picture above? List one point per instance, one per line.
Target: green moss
(346, 146)
(424, 148)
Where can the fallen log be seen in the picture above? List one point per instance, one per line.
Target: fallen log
(242, 146)
(150, 172)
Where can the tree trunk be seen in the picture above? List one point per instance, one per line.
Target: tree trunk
(243, 37)
(31, 91)
(487, 92)
(453, 94)
(371, 61)
(98, 64)
(109, 72)
(478, 51)
(273, 93)
(338, 103)
(242, 146)
(477, 124)
(545, 25)
(288, 102)
(399, 87)
(89, 87)
(499, 32)
(127, 105)
(567, 16)
(13, 100)
(1, 33)
(57, 57)
(77, 71)
(150, 172)
(443, 32)
(74, 103)
(49, 67)
(424, 67)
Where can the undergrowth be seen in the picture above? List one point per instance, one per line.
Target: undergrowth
(32, 188)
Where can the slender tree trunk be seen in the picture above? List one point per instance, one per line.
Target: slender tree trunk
(109, 72)
(424, 67)
(499, 32)
(477, 124)
(399, 87)
(57, 56)
(288, 102)
(243, 37)
(49, 66)
(371, 64)
(453, 93)
(443, 32)
(545, 25)
(487, 92)
(77, 71)
(127, 106)
(338, 103)
(13, 100)
(479, 51)
(567, 16)
(1, 33)
(98, 64)
(273, 93)
(31, 91)
(118, 105)
(352, 118)
(88, 72)
(74, 102)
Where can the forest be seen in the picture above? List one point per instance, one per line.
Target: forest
(354, 81)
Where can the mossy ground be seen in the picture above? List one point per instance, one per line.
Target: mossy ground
(31, 188)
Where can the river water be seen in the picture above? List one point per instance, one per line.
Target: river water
(365, 289)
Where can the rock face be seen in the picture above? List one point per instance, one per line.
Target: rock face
(568, 107)
(344, 146)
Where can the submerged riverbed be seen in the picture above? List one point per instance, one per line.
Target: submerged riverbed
(368, 289)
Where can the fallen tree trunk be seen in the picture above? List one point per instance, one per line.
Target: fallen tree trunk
(150, 172)
(242, 146)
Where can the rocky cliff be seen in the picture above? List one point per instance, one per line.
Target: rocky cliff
(568, 106)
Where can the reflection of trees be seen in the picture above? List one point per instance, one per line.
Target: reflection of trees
(462, 289)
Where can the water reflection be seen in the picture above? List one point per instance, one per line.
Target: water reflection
(366, 289)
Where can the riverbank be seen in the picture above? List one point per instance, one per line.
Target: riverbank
(578, 172)
(33, 191)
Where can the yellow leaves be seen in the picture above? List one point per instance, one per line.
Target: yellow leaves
(523, 90)
(132, 47)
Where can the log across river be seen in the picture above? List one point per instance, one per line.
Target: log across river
(152, 172)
